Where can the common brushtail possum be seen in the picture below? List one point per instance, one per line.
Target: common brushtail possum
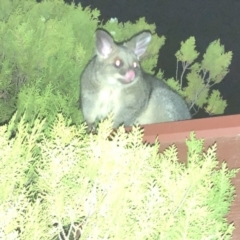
(114, 82)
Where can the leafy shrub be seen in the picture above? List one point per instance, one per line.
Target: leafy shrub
(108, 186)
(202, 76)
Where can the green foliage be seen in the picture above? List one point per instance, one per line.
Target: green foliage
(202, 76)
(215, 103)
(187, 52)
(45, 47)
(108, 186)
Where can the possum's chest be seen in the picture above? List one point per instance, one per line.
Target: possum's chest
(108, 101)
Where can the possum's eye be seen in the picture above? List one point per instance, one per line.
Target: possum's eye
(135, 64)
(118, 63)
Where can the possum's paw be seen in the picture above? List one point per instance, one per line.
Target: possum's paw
(91, 128)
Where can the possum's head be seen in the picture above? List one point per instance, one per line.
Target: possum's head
(119, 64)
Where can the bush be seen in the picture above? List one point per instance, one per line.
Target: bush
(44, 50)
(202, 76)
(108, 186)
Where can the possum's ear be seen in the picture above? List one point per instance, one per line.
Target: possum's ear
(104, 44)
(139, 43)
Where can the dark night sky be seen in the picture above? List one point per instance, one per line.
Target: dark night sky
(177, 20)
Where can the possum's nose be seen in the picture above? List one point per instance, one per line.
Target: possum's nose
(130, 75)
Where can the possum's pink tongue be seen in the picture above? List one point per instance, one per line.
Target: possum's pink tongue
(129, 76)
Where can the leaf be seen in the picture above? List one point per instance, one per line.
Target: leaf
(216, 105)
(174, 84)
(216, 61)
(196, 91)
(187, 52)
(194, 145)
(196, 67)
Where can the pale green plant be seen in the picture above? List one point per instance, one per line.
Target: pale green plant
(108, 186)
(202, 76)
